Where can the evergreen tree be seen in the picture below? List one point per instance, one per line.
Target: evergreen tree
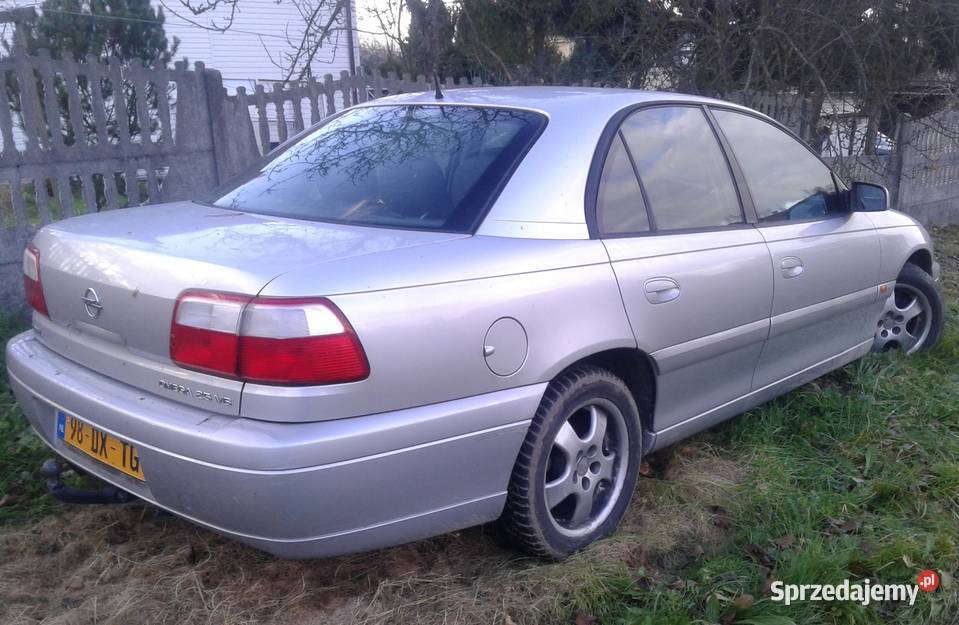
(128, 29)
(431, 37)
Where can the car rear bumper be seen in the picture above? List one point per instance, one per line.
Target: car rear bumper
(297, 490)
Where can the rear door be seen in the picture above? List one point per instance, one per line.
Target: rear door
(825, 258)
(695, 276)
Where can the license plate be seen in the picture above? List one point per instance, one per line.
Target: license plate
(99, 445)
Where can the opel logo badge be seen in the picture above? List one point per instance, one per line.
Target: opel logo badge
(91, 302)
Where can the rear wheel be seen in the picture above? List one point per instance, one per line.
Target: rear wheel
(578, 465)
(912, 317)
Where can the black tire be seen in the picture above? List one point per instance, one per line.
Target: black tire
(527, 521)
(914, 277)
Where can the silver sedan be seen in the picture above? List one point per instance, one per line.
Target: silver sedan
(427, 314)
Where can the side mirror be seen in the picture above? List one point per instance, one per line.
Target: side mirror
(866, 197)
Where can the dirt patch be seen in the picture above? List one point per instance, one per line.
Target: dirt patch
(689, 520)
(121, 565)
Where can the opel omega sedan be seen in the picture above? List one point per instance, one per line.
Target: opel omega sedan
(430, 313)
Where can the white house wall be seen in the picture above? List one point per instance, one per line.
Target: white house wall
(261, 29)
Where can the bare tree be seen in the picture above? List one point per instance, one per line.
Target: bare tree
(391, 27)
(846, 61)
(322, 23)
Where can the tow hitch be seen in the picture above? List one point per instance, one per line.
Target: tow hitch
(51, 471)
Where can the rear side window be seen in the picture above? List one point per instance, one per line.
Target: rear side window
(427, 167)
(785, 180)
(682, 168)
(619, 204)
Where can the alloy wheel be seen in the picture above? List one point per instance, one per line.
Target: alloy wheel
(905, 321)
(586, 468)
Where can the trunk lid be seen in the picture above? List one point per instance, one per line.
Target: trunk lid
(135, 263)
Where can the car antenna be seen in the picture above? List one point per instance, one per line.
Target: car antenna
(436, 85)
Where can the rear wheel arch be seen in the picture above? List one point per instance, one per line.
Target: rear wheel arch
(634, 367)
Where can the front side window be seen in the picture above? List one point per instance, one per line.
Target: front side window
(427, 167)
(786, 181)
(682, 168)
(619, 204)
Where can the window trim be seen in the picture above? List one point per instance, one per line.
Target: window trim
(747, 192)
(650, 217)
(650, 222)
(739, 177)
(594, 177)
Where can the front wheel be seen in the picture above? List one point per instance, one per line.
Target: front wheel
(578, 465)
(912, 318)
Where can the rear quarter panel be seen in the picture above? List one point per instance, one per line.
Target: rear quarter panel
(422, 317)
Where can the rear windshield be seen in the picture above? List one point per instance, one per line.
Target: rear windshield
(428, 167)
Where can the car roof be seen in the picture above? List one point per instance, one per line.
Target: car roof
(545, 196)
(549, 100)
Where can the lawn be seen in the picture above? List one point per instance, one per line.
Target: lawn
(853, 476)
(8, 216)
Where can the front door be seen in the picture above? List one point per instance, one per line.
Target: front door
(825, 258)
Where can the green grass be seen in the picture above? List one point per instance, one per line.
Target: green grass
(856, 475)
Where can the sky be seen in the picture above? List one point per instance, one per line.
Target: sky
(367, 25)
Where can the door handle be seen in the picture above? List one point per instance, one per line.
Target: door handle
(661, 290)
(791, 266)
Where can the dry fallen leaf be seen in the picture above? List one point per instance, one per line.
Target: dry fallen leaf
(585, 619)
(760, 555)
(768, 583)
(645, 469)
(784, 542)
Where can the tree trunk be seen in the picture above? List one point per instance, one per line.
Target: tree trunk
(816, 136)
(872, 130)
(539, 47)
(853, 126)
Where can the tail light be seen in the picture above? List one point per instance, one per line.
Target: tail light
(205, 332)
(31, 280)
(285, 341)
